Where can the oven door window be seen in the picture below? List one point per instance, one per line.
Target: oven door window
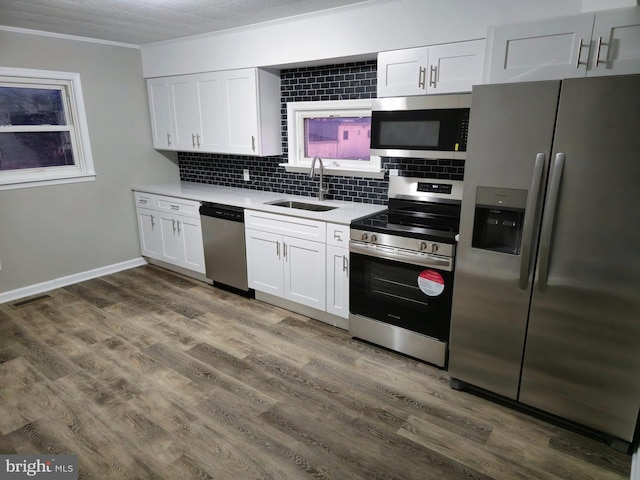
(413, 297)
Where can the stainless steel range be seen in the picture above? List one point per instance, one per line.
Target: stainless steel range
(402, 263)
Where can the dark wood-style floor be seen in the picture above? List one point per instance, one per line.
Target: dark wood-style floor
(148, 374)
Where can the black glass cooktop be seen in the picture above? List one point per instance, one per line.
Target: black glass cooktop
(424, 220)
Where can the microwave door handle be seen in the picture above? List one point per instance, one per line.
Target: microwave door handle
(529, 219)
(548, 221)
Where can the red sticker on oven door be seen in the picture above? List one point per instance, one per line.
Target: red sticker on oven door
(431, 283)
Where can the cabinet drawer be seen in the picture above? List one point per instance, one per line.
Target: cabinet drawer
(189, 208)
(145, 200)
(285, 225)
(338, 235)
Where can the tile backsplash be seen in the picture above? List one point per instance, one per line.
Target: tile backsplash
(327, 82)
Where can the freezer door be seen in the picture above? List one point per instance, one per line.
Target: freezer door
(582, 357)
(510, 137)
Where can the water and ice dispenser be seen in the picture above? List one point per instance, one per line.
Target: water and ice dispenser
(499, 219)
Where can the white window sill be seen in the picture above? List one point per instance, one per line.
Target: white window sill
(88, 177)
(332, 170)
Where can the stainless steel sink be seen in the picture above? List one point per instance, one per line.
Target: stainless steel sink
(314, 207)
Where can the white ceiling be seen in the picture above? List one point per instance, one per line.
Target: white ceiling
(140, 22)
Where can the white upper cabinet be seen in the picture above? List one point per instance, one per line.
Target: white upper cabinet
(455, 67)
(616, 42)
(236, 111)
(160, 110)
(602, 43)
(184, 109)
(402, 72)
(445, 68)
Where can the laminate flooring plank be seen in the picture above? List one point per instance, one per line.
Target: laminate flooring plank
(22, 397)
(590, 451)
(473, 454)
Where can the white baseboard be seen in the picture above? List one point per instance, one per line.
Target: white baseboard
(69, 280)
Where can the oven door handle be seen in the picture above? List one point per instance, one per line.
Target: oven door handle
(404, 256)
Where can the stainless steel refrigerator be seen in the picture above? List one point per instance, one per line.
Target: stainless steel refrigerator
(546, 301)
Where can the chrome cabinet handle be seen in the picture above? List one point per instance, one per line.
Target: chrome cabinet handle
(422, 76)
(433, 71)
(547, 223)
(345, 264)
(175, 207)
(173, 222)
(198, 139)
(578, 62)
(193, 140)
(153, 224)
(284, 248)
(597, 61)
(253, 143)
(529, 219)
(142, 201)
(168, 139)
(278, 249)
(178, 222)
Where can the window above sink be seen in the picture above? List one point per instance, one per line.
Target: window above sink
(337, 131)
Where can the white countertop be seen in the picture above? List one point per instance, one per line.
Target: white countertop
(255, 200)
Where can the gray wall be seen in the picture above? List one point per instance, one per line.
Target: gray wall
(55, 231)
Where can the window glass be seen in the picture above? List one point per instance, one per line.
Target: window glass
(20, 150)
(31, 106)
(337, 137)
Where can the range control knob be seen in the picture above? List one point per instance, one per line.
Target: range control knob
(433, 247)
(374, 238)
(364, 236)
(422, 246)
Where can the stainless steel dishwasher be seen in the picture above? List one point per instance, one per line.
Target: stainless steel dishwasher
(224, 246)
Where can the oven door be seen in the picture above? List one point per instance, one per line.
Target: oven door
(411, 290)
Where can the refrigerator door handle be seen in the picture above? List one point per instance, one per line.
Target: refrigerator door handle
(530, 216)
(548, 221)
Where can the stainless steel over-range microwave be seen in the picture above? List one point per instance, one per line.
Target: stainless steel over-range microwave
(428, 126)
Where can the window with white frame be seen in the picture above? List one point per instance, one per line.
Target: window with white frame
(44, 137)
(339, 132)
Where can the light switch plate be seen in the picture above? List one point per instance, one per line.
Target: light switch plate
(245, 174)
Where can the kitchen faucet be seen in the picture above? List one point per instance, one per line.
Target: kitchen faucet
(322, 191)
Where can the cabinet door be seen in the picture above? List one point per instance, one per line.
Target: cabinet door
(338, 281)
(241, 109)
(160, 111)
(149, 231)
(402, 72)
(264, 262)
(455, 67)
(541, 50)
(170, 248)
(305, 272)
(189, 232)
(184, 104)
(211, 116)
(616, 42)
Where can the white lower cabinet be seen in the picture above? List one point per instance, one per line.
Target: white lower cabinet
(170, 230)
(338, 281)
(149, 232)
(338, 269)
(284, 265)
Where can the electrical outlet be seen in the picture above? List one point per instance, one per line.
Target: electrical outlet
(245, 173)
(0, 265)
